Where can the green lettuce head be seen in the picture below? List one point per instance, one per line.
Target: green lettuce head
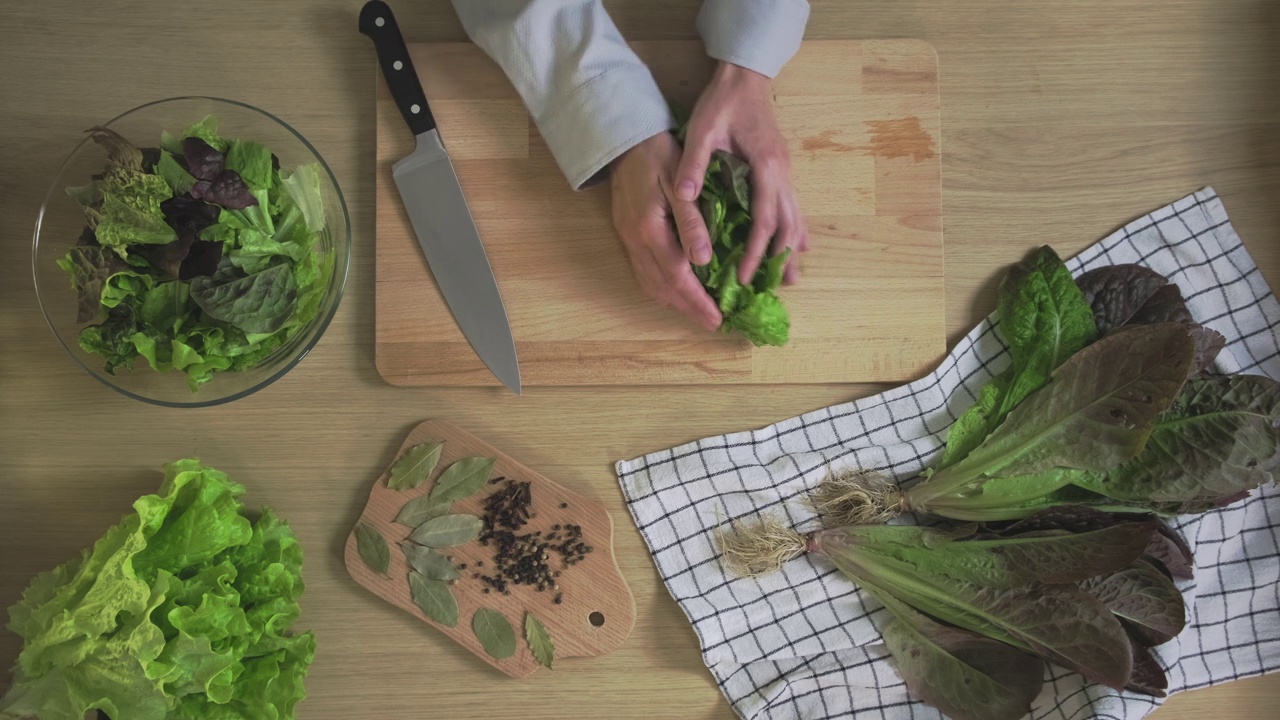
(181, 610)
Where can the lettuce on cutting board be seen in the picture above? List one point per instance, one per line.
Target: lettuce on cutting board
(182, 610)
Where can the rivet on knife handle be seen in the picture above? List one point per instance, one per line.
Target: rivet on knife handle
(377, 21)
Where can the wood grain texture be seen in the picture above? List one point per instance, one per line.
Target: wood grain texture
(861, 121)
(594, 585)
(1061, 121)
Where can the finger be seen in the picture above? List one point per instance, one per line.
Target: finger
(790, 236)
(764, 223)
(683, 291)
(692, 229)
(693, 165)
(787, 235)
(791, 273)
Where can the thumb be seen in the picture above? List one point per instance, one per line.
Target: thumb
(693, 168)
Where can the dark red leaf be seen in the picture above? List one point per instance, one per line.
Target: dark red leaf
(1117, 292)
(1164, 306)
(227, 190)
(187, 215)
(168, 258)
(1171, 553)
(150, 156)
(203, 161)
(201, 261)
(1148, 677)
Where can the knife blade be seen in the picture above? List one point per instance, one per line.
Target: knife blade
(438, 211)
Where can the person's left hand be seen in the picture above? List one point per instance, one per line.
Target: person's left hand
(734, 114)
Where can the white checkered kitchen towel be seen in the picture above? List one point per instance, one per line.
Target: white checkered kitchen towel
(803, 643)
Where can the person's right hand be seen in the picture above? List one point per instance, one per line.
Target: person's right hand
(644, 207)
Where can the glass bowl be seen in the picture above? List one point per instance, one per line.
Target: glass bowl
(62, 220)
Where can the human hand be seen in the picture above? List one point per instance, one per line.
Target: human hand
(734, 114)
(644, 205)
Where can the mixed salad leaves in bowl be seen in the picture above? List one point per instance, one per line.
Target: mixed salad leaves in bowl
(191, 251)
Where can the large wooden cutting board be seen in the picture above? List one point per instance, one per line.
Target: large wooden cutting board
(862, 122)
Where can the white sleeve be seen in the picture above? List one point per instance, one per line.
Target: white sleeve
(759, 35)
(591, 97)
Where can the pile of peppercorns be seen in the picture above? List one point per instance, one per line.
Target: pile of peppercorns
(522, 558)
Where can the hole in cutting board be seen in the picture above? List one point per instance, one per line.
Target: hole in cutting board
(596, 618)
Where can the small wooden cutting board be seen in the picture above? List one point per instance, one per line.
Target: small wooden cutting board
(861, 119)
(597, 610)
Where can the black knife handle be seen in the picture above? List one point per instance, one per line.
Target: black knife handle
(379, 24)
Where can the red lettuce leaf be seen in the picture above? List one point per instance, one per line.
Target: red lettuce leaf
(203, 161)
(228, 189)
(1117, 292)
(1165, 306)
(963, 674)
(1145, 600)
(1148, 676)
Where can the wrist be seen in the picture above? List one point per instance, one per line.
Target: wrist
(726, 73)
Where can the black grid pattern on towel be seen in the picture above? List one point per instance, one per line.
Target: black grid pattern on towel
(803, 643)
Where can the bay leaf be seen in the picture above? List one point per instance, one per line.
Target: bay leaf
(429, 563)
(372, 548)
(421, 509)
(447, 531)
(414, 466)
(494, 633)
(535, 633)
(434, 598)
(462, 479)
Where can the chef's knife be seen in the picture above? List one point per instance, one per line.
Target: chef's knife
(438, 211)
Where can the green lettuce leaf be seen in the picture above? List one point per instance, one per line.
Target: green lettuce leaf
(1044, 319)
(206, 130)
(253, 161)
(257, 303)
(1097, 413)
(177, 177)
(131, 213)
(181, 610)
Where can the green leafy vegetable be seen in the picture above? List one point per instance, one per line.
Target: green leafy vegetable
(1221, 437)
(462, 479)
(180, 611)
(252, 161)
(494, 633)
(963, 674)
(414, 466)
(242, 238)
(1053, 558)
(179, 180)
(206, 130)
(429, 563)
(1044, 319)
(754, 309)
(434, 598)
(421, 509)
(1096, 414)
(89, 268)
(373, 548)
(447, 531)
(257, 303)
(535, 634)
(1019, 591)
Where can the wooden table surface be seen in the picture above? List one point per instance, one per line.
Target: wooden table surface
(1060, 122)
